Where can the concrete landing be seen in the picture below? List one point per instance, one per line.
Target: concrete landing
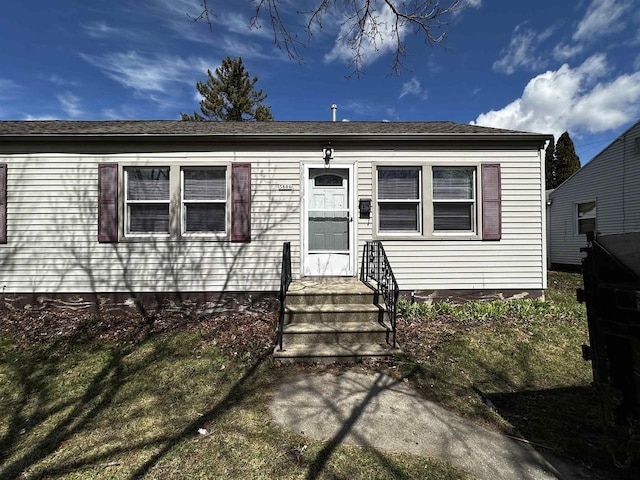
(384, 413)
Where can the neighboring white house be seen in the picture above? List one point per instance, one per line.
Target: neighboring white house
(603, 196)
(129, 207)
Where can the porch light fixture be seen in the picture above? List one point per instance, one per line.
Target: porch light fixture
(327, 154)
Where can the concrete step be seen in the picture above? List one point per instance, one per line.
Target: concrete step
(351, 312)
(327, 353)
(335, 298)
(343, 333)
(329, 291)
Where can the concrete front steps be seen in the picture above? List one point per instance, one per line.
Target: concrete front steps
(333, 319)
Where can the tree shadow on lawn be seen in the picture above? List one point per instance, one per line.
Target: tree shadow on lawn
(568, 421)
(48, 422)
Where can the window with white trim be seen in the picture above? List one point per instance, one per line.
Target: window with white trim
(147, 200)
(585, 217)
(399, 199)
(454, 199)
(204, 200)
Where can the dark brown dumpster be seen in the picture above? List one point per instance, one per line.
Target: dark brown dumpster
(611, 273)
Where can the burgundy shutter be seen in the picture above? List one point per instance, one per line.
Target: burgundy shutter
(107, 202)
(491, 202)
(241, 202)
(3, 203)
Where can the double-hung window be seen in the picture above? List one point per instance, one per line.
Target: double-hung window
(399, 199)
(147, 200)
(586, 217)
(204, 200)
(454, 199)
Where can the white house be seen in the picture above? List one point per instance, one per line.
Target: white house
(603, 196)
(115, 208)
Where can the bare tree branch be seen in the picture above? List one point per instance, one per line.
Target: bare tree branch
(366, 24)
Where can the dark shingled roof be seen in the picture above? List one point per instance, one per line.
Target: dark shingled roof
(170, 128)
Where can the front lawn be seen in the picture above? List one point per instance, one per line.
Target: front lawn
(187, 395)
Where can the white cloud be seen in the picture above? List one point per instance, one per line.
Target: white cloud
(603, 17)
(102, 30)
(59, 81)
(149, 73)
(473, 3)
(521, 52)
(39, 117)
(379, 39)
(563, 52)
(70, 104)
(581, 99)
(412, 87)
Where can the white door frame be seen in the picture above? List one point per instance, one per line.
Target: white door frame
(351, 196)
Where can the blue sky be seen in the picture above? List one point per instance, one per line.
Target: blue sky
(545, 66)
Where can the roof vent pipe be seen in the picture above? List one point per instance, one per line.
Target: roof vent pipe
(334, 109)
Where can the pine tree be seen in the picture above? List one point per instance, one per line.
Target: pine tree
(229, 95)
(561, 161)
(566, 159)
(549, 165)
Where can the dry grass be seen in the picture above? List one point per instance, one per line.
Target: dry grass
(159, 400)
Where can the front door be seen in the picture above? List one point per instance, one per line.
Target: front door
(328, 248)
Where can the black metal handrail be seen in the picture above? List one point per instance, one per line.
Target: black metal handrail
(376, 267)
(285, 281)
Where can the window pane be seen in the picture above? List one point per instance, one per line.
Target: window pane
(452, 216)
(205, 217)
(452, 183)
(398, 217)
(205, 184)
(587, 209)
(398, 183)
(148, 183)
(586, 225)
(148, 218)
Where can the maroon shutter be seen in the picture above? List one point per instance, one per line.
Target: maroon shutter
(3, 203)
(241, 202)
(491, 202)
(107, 202)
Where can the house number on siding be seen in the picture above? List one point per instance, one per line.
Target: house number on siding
(283, 187)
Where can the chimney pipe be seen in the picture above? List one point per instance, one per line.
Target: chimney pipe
(334, 109)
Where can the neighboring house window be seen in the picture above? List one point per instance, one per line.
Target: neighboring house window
(147, 200)
(204, 200)
(454, 199)
(399, 199)
(586, 217)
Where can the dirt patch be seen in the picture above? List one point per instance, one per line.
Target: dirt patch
(243, 330)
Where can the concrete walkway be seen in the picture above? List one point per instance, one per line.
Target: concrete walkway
(384, 413)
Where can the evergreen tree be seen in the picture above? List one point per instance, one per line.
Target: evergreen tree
(561, 161)
(229, 95)
(566, 159)
(549, 165)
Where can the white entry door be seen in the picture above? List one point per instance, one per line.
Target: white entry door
(328, 222)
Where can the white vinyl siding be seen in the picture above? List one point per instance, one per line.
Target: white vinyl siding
(612, 180)
(52, 225)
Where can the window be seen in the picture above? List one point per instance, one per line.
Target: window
(147, 200)
(434, 201)
(586, 217)
(399, 199)
(454, 199)
(204, 200)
